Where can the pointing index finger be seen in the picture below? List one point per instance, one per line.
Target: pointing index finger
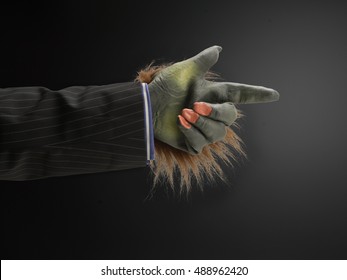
(244, 94)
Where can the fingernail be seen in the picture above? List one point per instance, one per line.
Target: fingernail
(202, 108)
(184, 122)
(190, 115)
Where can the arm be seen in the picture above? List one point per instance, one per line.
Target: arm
(80, 130)
(76, 130)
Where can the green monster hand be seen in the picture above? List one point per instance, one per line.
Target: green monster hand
(190, 112)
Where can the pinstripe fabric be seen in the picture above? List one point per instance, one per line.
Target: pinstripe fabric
(76, 130)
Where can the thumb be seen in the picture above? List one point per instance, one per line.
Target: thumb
(206, 59)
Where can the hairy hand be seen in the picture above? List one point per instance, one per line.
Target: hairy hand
(191, 112)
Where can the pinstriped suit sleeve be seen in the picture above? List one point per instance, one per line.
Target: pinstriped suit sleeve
(76, 130)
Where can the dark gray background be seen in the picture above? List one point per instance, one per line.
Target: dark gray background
(288, 201)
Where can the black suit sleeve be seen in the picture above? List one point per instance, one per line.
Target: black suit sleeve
(76, 130)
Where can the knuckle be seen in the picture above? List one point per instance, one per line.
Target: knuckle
(216, 112)
(202, 123)
(231, 119)
(231, 116)
(220, 133)
(198, 148)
